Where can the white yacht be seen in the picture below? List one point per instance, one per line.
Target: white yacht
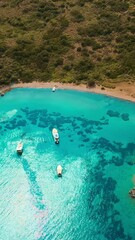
(59, 171)
(53, 89)
(55, 135)
(19, 148)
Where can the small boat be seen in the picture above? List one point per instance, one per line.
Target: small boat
(55, 135)
(132, 193)
(53, 89)
(19, 148)
(2, 94)
(59, 171)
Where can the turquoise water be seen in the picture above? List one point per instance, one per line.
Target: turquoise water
(96, 151)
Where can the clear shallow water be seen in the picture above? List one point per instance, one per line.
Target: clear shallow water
(96, 151)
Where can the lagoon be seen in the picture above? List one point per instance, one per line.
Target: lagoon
(96, 151)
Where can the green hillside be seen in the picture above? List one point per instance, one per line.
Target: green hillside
(67, 41)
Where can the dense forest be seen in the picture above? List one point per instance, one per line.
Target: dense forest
(76, 41)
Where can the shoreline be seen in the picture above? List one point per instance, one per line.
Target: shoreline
(123, 90)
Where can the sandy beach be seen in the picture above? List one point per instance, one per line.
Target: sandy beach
(124, 90)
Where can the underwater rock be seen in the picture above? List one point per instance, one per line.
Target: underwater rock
(112, 113)
(125, 116)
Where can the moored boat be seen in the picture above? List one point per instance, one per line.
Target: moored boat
(19, 148)
(53, 89)
(132, 193)
(59, 171)
(2, 94)
(55, 135)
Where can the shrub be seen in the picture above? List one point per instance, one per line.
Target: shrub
(62, 5)
(102, 88)
(86, 42)
(85, 52)
(77, 16)
(67, 67)
(119, 6)
(42, 59)
(81, 3)
(64, 40)
(45, 75)
(64, 23)
(126, 43)
(91, 42)
(16, 22)
(82, 31)
(71, 57)
(91, 83)
(47, 10)
(79, 49)
(131, 28)
(58, 62)
(3, 48)
(96, 76)
(95, 30)
(128, 62)
(81, 76)
(24, 42)
(113, 72)
(84, 65)
(27, 76)
(16, 2)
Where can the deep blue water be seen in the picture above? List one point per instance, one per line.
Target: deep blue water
(96, 151)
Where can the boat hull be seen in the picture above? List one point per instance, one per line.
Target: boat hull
(59, 171)
(53, 89)
(55, 135)
(19, 148)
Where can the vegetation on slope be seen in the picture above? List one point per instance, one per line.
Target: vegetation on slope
(67, 41)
